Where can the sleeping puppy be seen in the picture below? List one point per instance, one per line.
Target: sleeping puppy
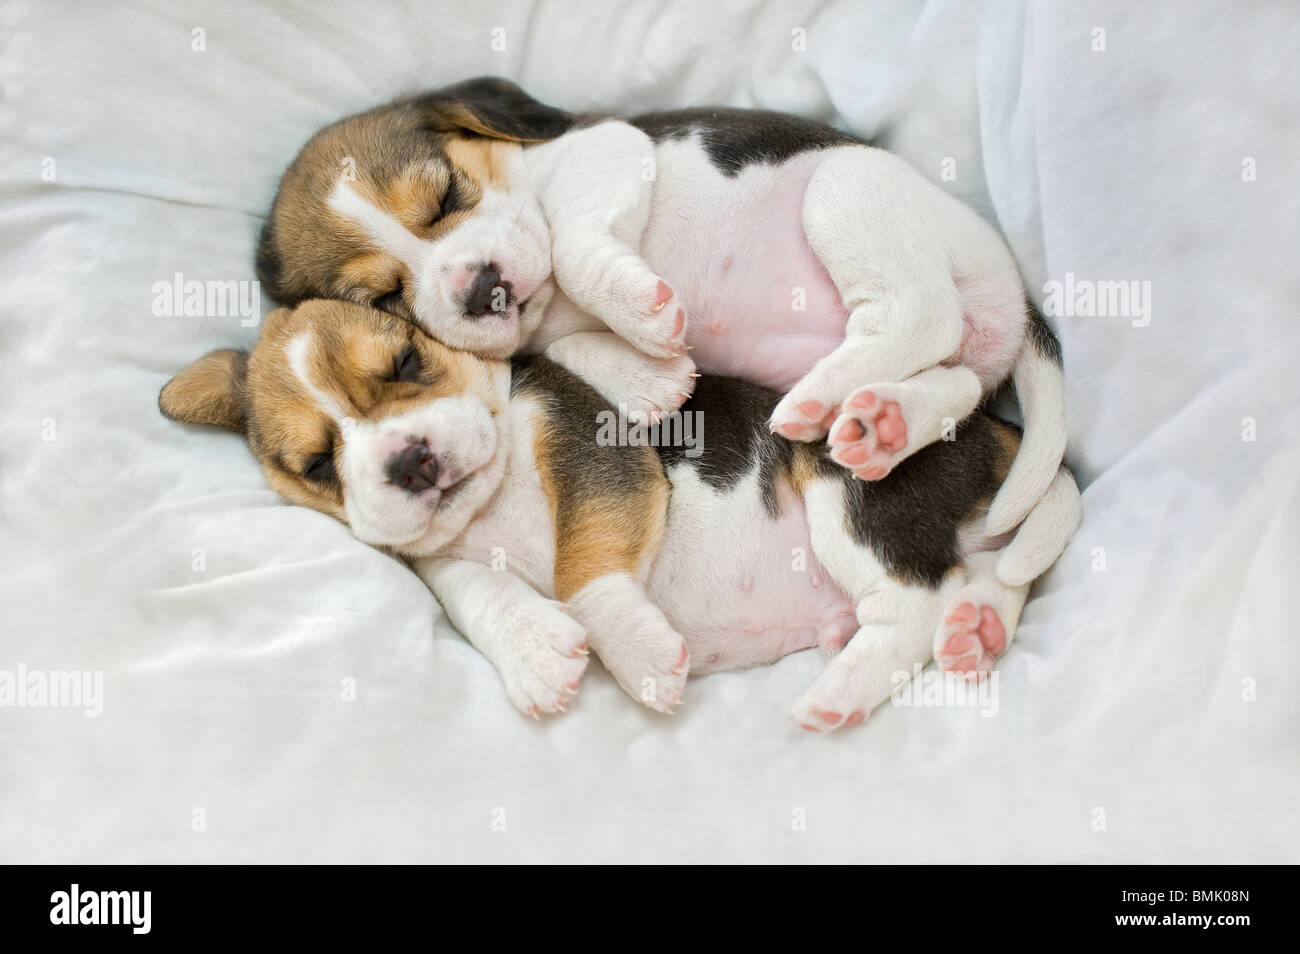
(776, 249)
(542, 538)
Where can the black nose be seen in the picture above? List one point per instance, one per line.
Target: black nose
(413, 469)
(483, 295)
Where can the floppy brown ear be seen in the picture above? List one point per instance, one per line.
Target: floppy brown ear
(492, 107)
(210, 391)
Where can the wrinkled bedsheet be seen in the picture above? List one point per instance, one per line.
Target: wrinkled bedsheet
(273, 690)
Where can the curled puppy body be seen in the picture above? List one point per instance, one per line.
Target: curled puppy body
(776, 249)
(543, 540)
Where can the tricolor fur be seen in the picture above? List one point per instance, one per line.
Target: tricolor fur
(544, 542)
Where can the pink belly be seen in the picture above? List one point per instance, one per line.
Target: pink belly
(751, 592)
(760, 304)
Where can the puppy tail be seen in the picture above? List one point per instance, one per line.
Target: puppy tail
(1043, 535)
(1040, 386)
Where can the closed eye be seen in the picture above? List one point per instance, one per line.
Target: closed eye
(407, 366)
(320, 468)
(450, 202)
(391, 301)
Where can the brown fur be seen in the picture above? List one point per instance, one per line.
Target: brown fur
(209, 391)
(609, 504)
(485, 161)
(598, 530)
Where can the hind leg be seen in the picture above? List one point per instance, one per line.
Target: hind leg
(860, 216)
(895, 617)
(881, 425)
(979, 619)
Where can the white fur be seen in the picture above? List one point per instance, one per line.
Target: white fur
(647, 387)
(1044, 533)
(596, 185)
(1042, 400)
(539, 650)
(507, 229)
(634, 641)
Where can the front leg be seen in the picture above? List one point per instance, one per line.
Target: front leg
(648, 388)
(595, 185)
(539, 650)
(610, 506)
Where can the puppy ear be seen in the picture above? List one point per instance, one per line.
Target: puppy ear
(210, 391)
(492, 107)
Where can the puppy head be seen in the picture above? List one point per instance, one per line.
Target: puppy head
(362, 416)
(420, 209)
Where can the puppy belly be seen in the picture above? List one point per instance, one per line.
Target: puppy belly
(743, 588)
(760, 305)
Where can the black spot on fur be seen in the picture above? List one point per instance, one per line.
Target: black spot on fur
(735, 138)
(1041, 335)
(500, 106)
(910, 520)
(736, 437)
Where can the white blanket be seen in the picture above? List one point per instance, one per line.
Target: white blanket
(272, 690)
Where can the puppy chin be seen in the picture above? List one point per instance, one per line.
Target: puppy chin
(456, 507)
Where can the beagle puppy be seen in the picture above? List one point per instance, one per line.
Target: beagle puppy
(745, 243)
(543, 538)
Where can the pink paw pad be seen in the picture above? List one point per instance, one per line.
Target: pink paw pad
(992, 633)
(975, 637)
(868, 435)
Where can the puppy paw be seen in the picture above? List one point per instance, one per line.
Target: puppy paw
(545, 659)
(837, 700)
(818, 714)
(802, 420)
(971, 635)
(642, 308)
(870, 435)
(658, 386)
(648, 659)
